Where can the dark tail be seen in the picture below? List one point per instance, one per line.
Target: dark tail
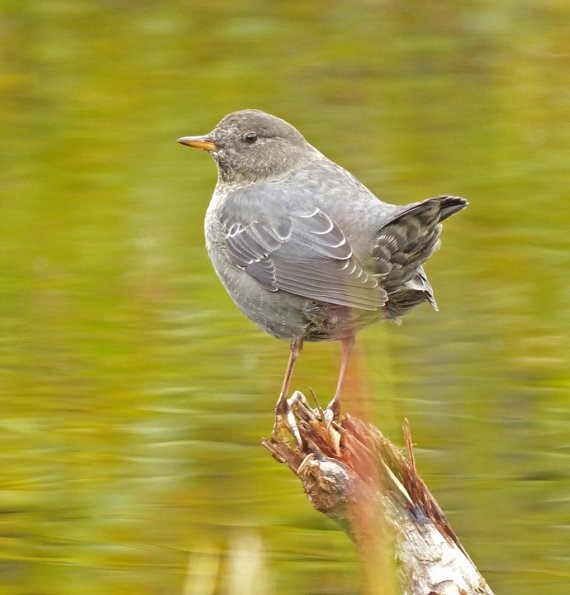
(450, 205)
(432, 210)
(404, 244)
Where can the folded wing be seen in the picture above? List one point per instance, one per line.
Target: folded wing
(306, 255)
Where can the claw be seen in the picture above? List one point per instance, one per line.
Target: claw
(285, 417)
(332, 412)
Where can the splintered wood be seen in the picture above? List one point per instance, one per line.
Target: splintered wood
(352, 473)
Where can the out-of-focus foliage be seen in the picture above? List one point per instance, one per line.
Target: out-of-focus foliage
(133, 394)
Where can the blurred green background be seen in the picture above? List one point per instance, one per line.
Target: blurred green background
(133, 394)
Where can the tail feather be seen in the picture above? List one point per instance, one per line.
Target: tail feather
(404, 244)
(450, 205)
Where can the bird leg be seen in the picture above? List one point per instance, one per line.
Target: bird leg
(333, 408)
(296, 347)
(282, 407)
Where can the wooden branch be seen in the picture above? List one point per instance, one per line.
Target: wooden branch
(352, 473)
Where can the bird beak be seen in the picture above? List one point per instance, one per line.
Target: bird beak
(198, 142)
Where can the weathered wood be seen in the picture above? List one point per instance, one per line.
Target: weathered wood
(352, 473)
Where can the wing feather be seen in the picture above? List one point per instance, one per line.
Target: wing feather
(306, 255)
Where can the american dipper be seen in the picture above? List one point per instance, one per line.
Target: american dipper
(304, 249)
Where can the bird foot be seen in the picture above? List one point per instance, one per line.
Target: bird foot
(285, 417)
(332, 411)
(286, 421)
(296, 417)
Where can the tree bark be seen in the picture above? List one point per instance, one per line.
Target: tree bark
(352, 473)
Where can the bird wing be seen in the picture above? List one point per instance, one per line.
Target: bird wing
(304, 254)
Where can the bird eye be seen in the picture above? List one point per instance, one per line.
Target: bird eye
(250, 137)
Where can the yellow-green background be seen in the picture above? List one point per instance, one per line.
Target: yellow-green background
(133, 394)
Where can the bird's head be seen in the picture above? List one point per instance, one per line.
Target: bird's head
(251, 146)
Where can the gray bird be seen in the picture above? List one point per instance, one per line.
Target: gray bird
(304, 249)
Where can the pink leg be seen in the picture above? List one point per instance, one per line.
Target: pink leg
(296, 347)
(334, 405)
